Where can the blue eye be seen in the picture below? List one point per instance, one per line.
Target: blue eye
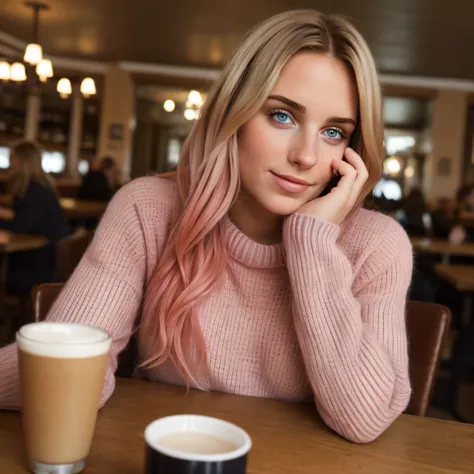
(281, 117)
(334, 134)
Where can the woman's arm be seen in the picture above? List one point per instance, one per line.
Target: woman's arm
(105, 290)
(352, 333)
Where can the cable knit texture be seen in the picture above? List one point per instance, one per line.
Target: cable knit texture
(322, 314)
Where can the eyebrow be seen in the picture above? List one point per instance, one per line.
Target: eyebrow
(289, 102)
(301, 108)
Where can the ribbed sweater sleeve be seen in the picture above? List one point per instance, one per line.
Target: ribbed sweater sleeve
(353, 338)
(105, 290)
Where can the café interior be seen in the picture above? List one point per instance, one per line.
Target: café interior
(125, 81)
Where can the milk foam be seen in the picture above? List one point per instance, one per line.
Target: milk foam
(64, 340)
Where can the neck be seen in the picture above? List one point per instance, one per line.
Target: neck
(256, 222)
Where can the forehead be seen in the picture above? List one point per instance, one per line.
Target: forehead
(323, 84)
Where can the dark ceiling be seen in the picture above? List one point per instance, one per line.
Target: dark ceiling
(413, 37)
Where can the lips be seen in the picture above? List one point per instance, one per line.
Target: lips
(290, 184)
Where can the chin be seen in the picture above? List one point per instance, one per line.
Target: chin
(282, 205)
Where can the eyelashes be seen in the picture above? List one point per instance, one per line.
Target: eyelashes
(283, 119)
(277, 116)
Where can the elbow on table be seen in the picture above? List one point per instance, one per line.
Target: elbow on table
(355, 434)
(366, 428)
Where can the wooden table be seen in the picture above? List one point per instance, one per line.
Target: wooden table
(287, 438)
(459, 276)
(75, 209)
(11, 242)
(442, 247)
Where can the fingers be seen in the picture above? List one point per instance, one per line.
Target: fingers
(347, 173)
(356, 161)
(362, 174)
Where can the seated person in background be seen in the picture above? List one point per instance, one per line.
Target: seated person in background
(414, 215)
(465, 198)
(416, 220)
(36, 210)
(446, 222)
(100, 184)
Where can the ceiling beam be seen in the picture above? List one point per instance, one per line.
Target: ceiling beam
(99, 67)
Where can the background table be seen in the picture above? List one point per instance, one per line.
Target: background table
(11, 243)
(287, 438)
(460, 276)
(75, 209)
(442, 247)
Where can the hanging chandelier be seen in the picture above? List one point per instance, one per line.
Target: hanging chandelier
(33, 56)
(193, 105)
(34, 51)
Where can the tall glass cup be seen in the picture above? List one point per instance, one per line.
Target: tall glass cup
(62, 372)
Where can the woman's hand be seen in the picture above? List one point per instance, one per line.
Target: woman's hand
(336, 205)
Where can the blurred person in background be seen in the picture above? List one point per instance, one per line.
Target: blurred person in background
(445, 222)
(465, 214)
(35, 210)
(416, 220)
(465, 198)
(100, 184)
(414, 215)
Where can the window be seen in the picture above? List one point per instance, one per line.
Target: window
(4, 157)
(53, 162)
(396, 143)
(174, 149)
(83, 167)
(389, 189)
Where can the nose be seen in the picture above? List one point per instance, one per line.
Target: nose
(304, 151)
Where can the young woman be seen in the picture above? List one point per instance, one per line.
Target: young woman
(36, 210)
(250, 276)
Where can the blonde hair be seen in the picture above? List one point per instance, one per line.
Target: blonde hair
(29, 155)
(194, 260)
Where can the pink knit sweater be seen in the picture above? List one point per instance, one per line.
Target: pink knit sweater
(322, 314)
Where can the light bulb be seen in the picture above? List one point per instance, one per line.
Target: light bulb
(33, 54)
(4, 71)
(17, 72)
(44, 69)
(189, 114)
(169, 105)
(392, 166)
(64, 87)
(88, 87)
(194, 98)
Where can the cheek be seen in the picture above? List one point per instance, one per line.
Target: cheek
(330, 154)
(257, 145)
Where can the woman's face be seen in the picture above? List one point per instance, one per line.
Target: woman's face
(286, 150)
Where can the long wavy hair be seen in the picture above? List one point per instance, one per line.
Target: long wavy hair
(193, 263)
(28, 154)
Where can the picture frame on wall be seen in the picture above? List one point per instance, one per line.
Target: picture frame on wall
(116, 131)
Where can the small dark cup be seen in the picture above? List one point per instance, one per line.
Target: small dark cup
(162, 459)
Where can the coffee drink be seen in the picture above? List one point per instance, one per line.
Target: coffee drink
(185, 444)
(198, 443)
(62, 371)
